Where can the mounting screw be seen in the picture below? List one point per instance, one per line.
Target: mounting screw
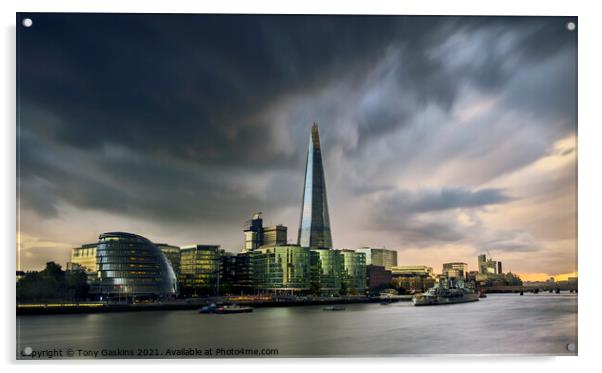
(27, 22)
(27, 351)
(571, 347)
(571, 26)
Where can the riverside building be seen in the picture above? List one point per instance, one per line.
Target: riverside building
(354, 271)
(380, 257)
(199, 269)
(172, 253)
(377, 277)
(131, 267)
(413, 278)
(326, 271)
(84, 257)
(281, 269)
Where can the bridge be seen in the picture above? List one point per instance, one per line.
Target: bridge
(533, 288)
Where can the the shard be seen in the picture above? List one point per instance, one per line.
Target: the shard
(314, 226)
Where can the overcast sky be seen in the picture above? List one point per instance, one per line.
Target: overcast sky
(441, 136)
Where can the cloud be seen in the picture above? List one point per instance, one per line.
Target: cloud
(185, 125)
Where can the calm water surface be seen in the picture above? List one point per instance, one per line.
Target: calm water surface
(499, 324)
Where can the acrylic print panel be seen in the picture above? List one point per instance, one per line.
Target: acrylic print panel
(295, 186)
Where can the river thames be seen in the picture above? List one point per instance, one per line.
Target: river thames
(499, 324)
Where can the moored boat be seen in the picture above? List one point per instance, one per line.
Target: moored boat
(232, 309)
(442, 294)
(208, 308)
(334, 308)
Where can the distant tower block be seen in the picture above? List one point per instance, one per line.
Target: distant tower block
(314, 225)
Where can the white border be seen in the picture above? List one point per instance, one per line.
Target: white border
(590, 168)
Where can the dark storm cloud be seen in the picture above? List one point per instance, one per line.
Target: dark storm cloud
(176, 118)
(429, 200)
(402, 212)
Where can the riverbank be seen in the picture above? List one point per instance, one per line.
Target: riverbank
(189, 304)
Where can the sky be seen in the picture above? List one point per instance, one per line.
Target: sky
(442, 137)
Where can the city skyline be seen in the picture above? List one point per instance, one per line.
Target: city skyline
(437, 146)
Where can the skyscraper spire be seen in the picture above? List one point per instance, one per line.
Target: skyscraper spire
(314, 225)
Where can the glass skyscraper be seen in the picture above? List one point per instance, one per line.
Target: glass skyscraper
(314, 225)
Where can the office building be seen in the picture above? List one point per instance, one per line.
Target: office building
(378, 277)
(235, 274)
(326, 271)
(84, 258)
(455, 270)
(131, 267)
(413, 278)
(482, 263)
(256, 235)
(172, 253)
(489, 266)
(314, 225)
(274, 236)
(253, 233)
(380, 257)
(281, 269)
(354, 271)
(199, 269)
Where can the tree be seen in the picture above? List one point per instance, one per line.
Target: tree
(52, 283)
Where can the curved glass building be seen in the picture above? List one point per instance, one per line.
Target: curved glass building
(132, 267)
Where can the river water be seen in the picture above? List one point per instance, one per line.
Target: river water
(500, 324)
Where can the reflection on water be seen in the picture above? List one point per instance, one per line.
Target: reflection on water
(501, 323)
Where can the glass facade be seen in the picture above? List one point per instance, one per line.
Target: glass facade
(200, 267)
(236, 274)
(172, 253)
(281, 268)
(354, 270)
(326, 270)
(314, 225)
(85, 257)
(380, 257)
(132, 266)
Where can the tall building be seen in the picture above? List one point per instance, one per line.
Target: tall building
(380, 257)
(274, 236)
(482, 261)
(84, 257)
(253, 233)
(489, 266)
(281, 269)
(199, 269)
(132, 267)
(256, 235)
(314, 225)
(454, 270)
(172, 253)
(354, 271)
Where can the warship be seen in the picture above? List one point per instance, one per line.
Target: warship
(446, 293)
